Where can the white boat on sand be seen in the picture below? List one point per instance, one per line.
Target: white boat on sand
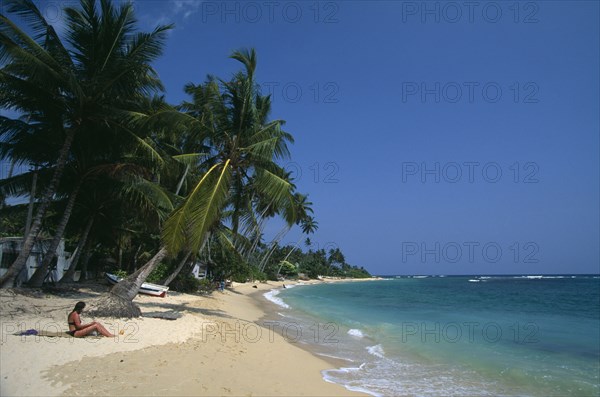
(146, 288)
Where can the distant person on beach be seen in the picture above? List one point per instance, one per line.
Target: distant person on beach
(79, 330)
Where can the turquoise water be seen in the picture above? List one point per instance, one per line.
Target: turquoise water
(510, 335)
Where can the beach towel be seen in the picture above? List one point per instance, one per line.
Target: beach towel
(51, 334)
(28, 332)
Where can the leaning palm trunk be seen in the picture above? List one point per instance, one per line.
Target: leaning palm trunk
(178, 269)
(68, 277)
(260, 225)
(119, 301)
(287, 256)
(86, 259)
(274, 243)
(135, 257)
(256, 240)
(40, 274)
(185, 260)
(180, 184)
(31, 202)
(8, 279)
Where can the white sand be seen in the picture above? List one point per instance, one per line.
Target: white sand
(216, 348)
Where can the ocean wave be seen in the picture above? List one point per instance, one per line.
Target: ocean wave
(474, 280)
(272, 296)
(376, 350)
(540, 277)
(348, 369)
(336, 357)
(329, 376)
(356, 332)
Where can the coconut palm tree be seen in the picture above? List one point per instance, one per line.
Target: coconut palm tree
(244, 150)
(302, 208)
(70, 91)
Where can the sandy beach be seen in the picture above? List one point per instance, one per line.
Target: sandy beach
(217, 347)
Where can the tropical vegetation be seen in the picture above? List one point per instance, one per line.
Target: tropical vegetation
(131, 182)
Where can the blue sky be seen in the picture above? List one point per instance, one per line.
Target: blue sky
(432, 137)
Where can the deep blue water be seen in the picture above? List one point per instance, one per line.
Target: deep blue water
(455, 335)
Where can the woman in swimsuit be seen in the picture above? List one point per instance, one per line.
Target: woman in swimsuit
(78, 330)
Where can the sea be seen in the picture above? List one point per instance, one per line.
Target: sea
(451, 335)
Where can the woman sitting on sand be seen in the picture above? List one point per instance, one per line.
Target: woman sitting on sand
(79, 330)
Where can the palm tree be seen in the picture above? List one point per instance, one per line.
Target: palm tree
(244, 150)
(71, 91)
(302, 208)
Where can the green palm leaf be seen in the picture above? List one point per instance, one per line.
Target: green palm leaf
(149, 196)
(189, 225)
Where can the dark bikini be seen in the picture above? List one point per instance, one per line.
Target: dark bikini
(72, 333)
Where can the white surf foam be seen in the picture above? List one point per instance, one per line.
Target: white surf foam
(335, 357)
(376, 350)
(356, 332)
(330, 378)
(272, 296)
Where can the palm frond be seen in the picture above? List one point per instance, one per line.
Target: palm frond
(191, 222)
(277, 189)
(248, 58)
(149, 196)
(190, 158)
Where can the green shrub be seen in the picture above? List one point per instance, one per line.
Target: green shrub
(160, 273)
(120, 273)
(257, 275)
(205, 286)
(190, 284)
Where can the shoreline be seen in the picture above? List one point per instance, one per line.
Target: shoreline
(317, 344)
(216, 348)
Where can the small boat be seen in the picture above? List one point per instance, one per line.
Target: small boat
(146, 288)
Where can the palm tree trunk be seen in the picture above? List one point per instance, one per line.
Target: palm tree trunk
(40, 274)
(120, 257)
(287, 256)
(86, 260)
(205, 243)
(130, 286)
(31, 202)
(135, 257)
(68, 277)
(260, 225)
(187, 169)
(276, 240)
(8, 279)
(119, 301)
(178, 269)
